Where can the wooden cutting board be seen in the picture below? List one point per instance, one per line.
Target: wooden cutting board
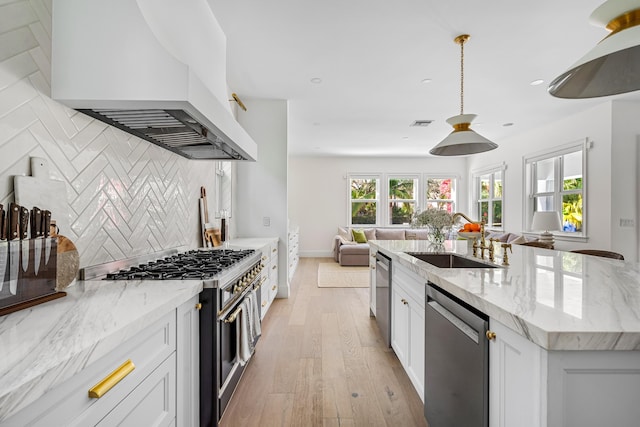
(46, 193)
(68, 263)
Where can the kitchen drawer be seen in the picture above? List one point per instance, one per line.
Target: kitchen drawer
(69, 404)
(152, 403)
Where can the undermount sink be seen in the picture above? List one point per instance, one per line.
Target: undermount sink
(449, 261)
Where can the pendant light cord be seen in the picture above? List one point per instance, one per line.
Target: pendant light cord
(461, 77)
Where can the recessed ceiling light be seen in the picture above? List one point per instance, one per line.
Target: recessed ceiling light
(536, 82)
(426, 81)
(316, 80)
(405, 137)
(507, 124)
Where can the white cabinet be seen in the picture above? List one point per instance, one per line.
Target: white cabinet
(372, 282)
(293, 251)
(516, 371)
(269, 288)
(188, 364)
(407, 323)
(145, 395)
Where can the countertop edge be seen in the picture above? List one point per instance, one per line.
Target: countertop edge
(26, 390)
(548, 340)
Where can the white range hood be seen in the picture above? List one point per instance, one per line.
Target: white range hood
(154, 68)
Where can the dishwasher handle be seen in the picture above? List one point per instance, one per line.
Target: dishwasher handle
(460, 324)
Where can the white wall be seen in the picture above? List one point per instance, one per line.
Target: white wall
(261, 187)
(318, 191)
(609, 165)
(126, 196)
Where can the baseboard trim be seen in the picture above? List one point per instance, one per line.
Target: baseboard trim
(316, 254)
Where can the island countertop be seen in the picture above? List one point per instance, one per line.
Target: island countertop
(558, 300)
(45, 345)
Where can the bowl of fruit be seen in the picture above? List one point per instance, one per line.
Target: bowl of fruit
(470, 231)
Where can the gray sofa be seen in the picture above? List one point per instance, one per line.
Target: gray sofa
(349, 253)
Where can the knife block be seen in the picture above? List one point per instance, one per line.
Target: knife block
(22, 285)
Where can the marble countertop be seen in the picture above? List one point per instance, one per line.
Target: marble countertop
(43, 346)
(558, 300)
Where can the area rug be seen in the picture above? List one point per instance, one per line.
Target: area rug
(333, 275)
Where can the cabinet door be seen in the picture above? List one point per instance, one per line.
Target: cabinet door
(188, 363)
(152, 403)
(515, 379)
(372, 282)
(415, 368)
(400, 324)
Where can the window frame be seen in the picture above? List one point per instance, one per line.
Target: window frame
(389, 200)
(454, 191)
(476, 192)
(350, 201)
(529, 180)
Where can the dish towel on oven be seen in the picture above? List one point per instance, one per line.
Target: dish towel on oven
(248, 327)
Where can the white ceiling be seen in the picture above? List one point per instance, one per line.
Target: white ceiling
(373, 54)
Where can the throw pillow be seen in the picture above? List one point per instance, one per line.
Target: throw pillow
(345, 234)
(358, 236)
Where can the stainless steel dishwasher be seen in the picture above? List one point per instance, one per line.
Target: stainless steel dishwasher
(456, 362)
(383, 296)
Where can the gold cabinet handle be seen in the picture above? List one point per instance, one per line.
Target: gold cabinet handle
(404, 301)
(274, 267)
(263, 257)
(199, 306)
(264, 303)
(491, 335)
(274, 250)
(274, 288)
(99, 390)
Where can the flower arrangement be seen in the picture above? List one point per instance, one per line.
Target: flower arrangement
(437, 221)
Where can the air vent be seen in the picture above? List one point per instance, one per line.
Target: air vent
(421, 123)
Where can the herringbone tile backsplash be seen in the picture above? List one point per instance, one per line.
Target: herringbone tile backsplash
(126, 196)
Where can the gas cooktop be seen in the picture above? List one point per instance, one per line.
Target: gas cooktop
(194, 264)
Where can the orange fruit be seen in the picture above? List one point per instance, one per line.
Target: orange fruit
(475, 227)
(467, 227)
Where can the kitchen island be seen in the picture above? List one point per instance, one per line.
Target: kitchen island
(47, 346)
(567, 347)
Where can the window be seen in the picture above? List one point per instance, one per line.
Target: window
(402, 200)
(440, 194)
(555, 181)
(365, 195)
(405, 195)
(489, 196)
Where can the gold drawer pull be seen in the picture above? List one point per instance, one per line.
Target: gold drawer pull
(274, 250)
(404, 301)
(263, 257)
(274, 267)
(274, 288)
(99, 390)
(199, 306)
(264, 303)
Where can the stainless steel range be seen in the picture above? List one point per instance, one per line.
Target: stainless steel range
(232, 283)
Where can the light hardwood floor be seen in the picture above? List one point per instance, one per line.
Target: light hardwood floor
(321, 362)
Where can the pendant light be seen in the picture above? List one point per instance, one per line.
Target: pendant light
(613, 66)
(463, 140)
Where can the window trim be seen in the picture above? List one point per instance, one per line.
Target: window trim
(476, 191)
(379, 192)
(455, 180)
(582, 145)
(415, 201)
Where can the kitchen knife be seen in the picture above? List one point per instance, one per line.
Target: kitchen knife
(36, 236)
(13, 221)
(24, 237)
(46, 231)
(4, 247)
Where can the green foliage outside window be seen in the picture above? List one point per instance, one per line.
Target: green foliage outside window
(572, 206)
(363, 212)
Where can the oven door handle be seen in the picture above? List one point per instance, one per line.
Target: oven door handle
(259, 285)
(232, 317)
